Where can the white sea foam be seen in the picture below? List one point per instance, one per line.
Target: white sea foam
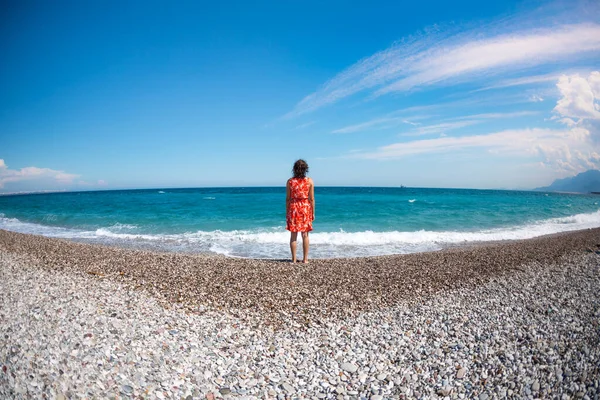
(412, 200)
(122, 227)
(103, 232)
(50, 218)
(209, 198)
(160, 191)
(273, 243)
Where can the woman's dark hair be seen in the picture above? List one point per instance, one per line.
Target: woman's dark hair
(300, 169)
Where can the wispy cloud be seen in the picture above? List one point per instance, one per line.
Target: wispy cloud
(511, 51)
(378, 123)
(565, 150)
(305, 125)
(439, 59)
(509, 140)
(528, 80)
(515, 114)
(442, 127)
(391, 122)
(569, 150)
(31, 173)
(536, 98)
(466, 120)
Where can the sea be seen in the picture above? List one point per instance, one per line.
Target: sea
(249, 222)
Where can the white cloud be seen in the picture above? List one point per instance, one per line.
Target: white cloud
(536, 98)
(501, 141)
(389, 122)
(497, 115)
(306, 125)
(33, 173)
(527, 80)
(379, 123)
(512, 50)
(564, 150)
(579, 96)
(567, 151)
(515, 50)
(443, 127)
(435, 59)
(567, 121)
(365, 125)
(594, 81)
(457, 106)
(578, 109)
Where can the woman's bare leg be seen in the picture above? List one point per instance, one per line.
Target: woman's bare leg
(293, 241)
(305, 244)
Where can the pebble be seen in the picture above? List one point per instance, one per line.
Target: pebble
(349, 367)
(287, 387)
(445, 391)
(167, 350)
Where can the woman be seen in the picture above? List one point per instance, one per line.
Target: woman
(300, 207)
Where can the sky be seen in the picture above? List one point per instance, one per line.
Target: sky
(101, 95)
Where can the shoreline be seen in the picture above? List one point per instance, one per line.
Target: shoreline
(420, 220)
(466, 245)
(277, 291)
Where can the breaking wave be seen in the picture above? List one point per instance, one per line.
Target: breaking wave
(272, 242)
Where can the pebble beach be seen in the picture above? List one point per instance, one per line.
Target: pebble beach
(517, 319)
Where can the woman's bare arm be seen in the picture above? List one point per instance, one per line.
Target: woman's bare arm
(311, 197)
(287, 197)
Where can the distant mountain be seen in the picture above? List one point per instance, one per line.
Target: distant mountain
(584, 182)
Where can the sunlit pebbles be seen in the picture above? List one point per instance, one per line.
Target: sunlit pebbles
(502, 320)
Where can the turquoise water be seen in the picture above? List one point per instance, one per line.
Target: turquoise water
(250, 222)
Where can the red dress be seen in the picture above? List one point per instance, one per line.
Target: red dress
(300, 212)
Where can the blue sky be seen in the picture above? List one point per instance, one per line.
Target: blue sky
(106, 95)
